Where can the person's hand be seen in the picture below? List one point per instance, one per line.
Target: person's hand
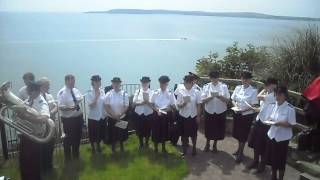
(256, 109)
(183, 104)
(97, 92)
(63, 135)
(158, 112)
(278, 123)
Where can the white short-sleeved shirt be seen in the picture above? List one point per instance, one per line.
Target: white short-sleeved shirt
(241, 95)
(283, 112)
(138, 97)
(190, 109)
(215, 105)
(163, 99)
(96, 112)
(181, 87)
(117, 101)
(23, 94)
(65, 99)
(42, 107)
(264, 104)
(50, 100)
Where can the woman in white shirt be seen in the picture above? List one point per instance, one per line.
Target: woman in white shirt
(215, 96)
(283, 117)
(116, 106)
(259, 133)
(144, 111)
(163, 103)
(243, 98)
(189, 106)
(96, 116)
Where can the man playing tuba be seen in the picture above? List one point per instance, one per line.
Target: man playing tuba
(30, 159)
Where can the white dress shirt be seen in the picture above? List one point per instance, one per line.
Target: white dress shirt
(241, 95)
(23, 94)
(215, 105)
(283, 112)
(190, 109)
(65, 99)
(50, 100)
(269, 98)
(96, 112)
(138, 98)
(181, 87)
(117, 101)
(163, 99)
(42, 107)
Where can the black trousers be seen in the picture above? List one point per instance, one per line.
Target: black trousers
(47, 155)
(72, 128)
(30, 159)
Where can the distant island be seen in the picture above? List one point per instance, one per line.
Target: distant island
(202, 13)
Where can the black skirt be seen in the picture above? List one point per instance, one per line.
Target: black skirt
(215, 126)
(144, 125)
(241, 126)
(276, 154)
(175, 127)
(115, 133)
(259, 137)
(160, 126)
(96, 129)
(189, 127)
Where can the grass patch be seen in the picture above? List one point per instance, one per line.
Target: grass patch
(132, 164)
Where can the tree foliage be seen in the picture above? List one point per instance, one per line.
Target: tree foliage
(294, 60)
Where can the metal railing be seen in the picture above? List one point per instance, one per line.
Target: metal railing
(9, 137)
(10, 141)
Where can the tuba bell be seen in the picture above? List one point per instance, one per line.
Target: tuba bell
(10, 103)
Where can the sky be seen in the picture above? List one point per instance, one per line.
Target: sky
(305, 8)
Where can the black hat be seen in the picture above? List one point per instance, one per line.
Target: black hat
(145, 79)
(164, 79)
(95, 78)
(116, 79)
(246, 75)
(194, 75)
(282, 89)
(34, 86)
(214, 74)
(271, 80)
(188, 78)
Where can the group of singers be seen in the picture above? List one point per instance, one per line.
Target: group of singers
(163, 115)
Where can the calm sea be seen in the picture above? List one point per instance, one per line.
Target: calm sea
(128, 46)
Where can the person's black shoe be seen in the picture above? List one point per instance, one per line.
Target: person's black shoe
(239, 158)
(194, 152)
(214, 149)
(261, 168)
(235, 153)
(164, 151)
(99, 149)
(206, 148)
(253, 165)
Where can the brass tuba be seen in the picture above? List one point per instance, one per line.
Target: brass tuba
(11, 103)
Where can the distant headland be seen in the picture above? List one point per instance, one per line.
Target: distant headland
(203, 13)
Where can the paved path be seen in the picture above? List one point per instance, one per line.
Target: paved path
(222, 166)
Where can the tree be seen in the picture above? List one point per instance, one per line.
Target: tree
(296, 58)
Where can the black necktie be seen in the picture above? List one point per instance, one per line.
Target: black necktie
(75, 100)
(44, 96)
(30, 102)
